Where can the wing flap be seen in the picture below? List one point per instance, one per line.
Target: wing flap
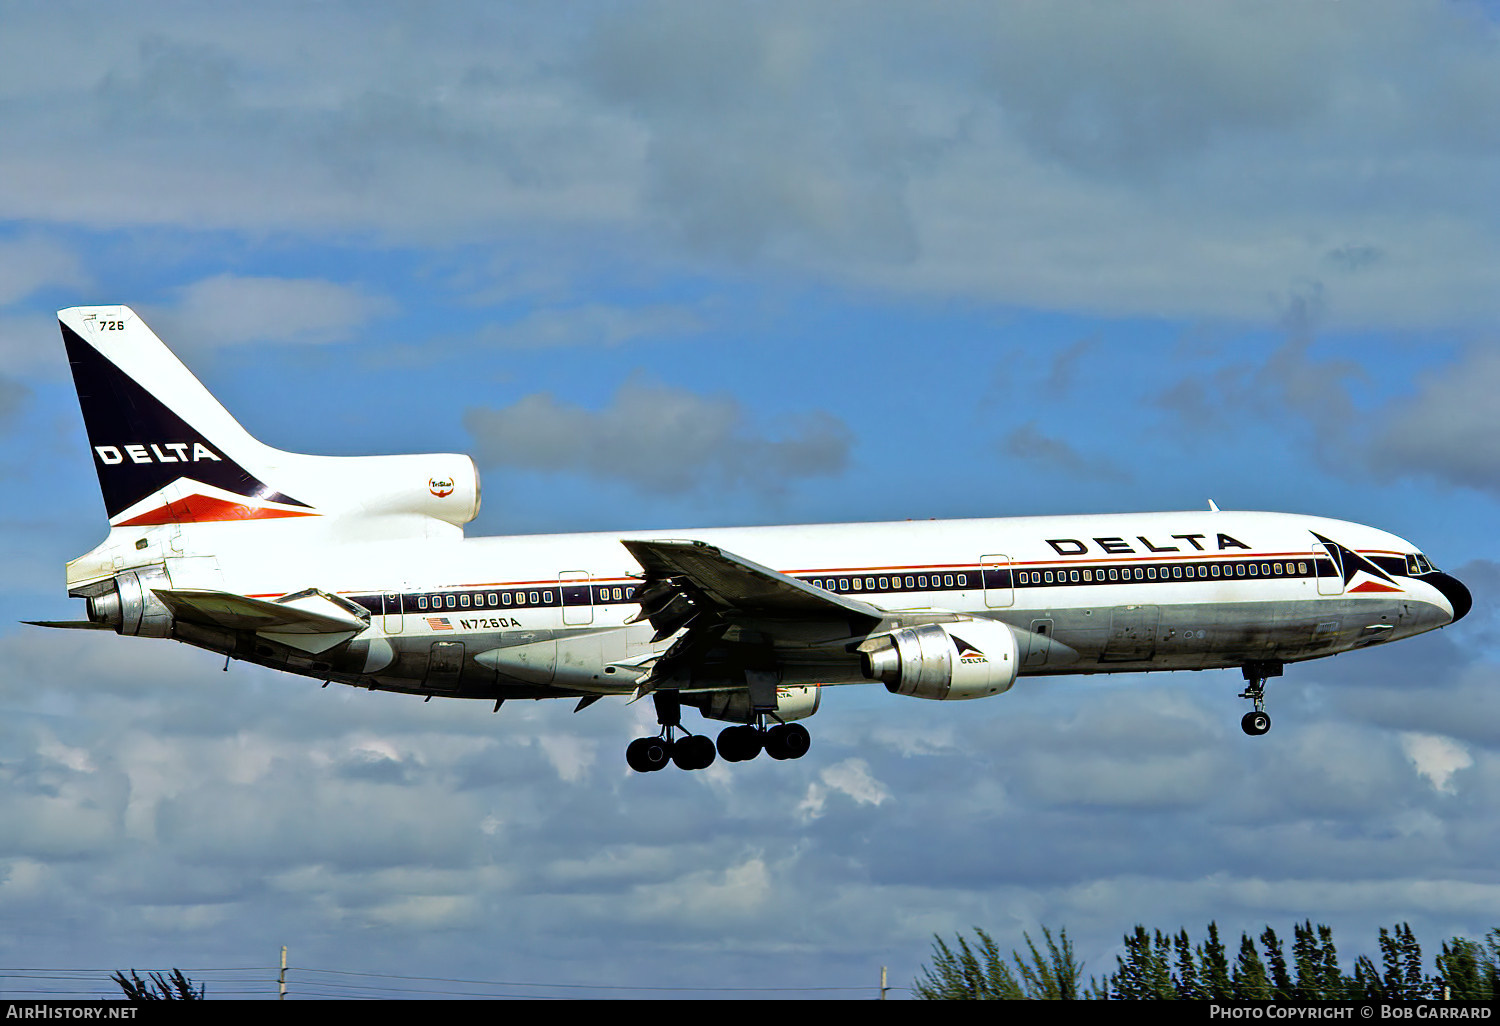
(732, 612)
(734, 583)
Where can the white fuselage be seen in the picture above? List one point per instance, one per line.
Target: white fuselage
(1086, 594)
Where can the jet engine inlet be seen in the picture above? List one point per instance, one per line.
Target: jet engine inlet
(945, 661)
(130, 605)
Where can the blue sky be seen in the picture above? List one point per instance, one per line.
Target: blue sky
(673, 265)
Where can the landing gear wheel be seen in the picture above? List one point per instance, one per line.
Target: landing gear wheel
(648, 754)
(788, 741)
(739, 744)
(693, 752)
(1256, 674)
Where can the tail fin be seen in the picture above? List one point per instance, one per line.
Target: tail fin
(167, 452)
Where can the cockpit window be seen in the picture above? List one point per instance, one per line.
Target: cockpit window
(1416, 564)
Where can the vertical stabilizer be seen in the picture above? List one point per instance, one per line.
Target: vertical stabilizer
(165, 450)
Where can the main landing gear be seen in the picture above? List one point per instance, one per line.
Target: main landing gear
(1257, 722)
(783, 741)
(696, 751)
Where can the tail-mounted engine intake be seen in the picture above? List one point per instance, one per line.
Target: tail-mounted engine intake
(129, 605)
(945, 661)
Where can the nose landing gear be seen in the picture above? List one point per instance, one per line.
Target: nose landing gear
(1256, 674)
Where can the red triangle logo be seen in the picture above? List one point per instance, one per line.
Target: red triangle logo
(1372, 586)
(200, 509)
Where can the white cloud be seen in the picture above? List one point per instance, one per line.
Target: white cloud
(1129, 158)
(228, 310)
(658, 437)
(1436, 758)
(34, 261)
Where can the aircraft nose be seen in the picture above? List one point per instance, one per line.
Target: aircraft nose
(1454, 591)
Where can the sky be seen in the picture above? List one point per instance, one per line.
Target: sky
(667, 264)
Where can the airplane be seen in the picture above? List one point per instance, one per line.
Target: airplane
(357, 570)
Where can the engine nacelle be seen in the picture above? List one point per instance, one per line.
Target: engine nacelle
(130, 606)
(439, 485)
(968, 658)
(792, 703)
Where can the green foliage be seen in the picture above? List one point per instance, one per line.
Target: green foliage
(175, 987)
(1468, 970)
(1161, 967)
(982, 974)
(965, 975)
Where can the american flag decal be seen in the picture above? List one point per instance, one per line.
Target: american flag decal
(439, 623)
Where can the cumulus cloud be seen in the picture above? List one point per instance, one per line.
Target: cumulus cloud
(229, 309)
(1047, 452)
(594, 324)
(1075, 155)
(1436, 758)
(34, 261)
(654, 436)
(1446, 428)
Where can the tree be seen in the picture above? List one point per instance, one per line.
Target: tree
(982, 974)
(175, 987)
(1189, 983)
(1216, 966)
(961, 976)
(1054, 976)
(1250, 982)
(1281, 982)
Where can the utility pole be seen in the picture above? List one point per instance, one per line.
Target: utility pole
(283, 974)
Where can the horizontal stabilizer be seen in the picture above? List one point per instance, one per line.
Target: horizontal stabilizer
(71, 625)
(306, 612)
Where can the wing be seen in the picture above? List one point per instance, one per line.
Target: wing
(735, 612)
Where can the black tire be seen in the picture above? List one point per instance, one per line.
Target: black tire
(776, 746)
(795, 740)
(648, 754)
(1255, 723)
(693, 753)
(739, 744)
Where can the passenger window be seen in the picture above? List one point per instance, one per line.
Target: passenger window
(421, 601)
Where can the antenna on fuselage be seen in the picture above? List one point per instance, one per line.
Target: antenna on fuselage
(1213, 506)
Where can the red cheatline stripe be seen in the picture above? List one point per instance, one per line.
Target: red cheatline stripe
(199, 509)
